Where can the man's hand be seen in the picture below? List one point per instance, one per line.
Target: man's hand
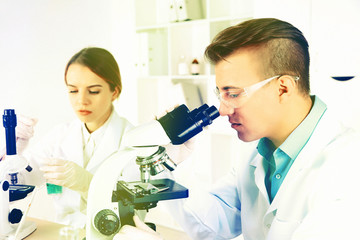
(140, 232)
(178, 153)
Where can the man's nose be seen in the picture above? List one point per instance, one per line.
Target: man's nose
(225, 109)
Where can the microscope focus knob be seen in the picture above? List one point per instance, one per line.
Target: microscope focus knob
(15, 216)
(107, 222)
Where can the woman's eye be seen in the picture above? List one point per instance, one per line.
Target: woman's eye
(73, 91)
(94, 92)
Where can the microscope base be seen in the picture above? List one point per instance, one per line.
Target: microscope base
(26, 229)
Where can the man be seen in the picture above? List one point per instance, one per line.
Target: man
(300, 182)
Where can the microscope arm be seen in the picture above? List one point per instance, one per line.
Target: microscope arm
(101, 189)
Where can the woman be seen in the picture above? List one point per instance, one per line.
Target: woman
(70, 154)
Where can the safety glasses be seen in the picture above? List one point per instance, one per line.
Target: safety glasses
(235, 98)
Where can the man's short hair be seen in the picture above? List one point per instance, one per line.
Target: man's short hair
(281, 47)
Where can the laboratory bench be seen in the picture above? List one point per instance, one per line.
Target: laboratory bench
(46, 230)
(49, 230)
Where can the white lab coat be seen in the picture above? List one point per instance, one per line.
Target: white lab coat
(65, 142)
(319, 198)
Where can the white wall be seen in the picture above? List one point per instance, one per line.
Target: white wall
(332, 30)
(336, 52)
(38, 37)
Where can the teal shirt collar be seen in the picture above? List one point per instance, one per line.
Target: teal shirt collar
(299, 137)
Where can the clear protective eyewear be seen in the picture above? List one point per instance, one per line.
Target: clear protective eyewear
(235, 98)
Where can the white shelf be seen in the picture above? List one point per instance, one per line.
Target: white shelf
(166, 41)
(161, 43)
(186, 77)
(232, 20)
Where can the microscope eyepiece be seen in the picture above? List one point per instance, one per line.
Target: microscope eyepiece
(9, 123)
(9, 118)
(181, 124)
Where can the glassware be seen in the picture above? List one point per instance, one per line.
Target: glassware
(68, 233)
(53, 189)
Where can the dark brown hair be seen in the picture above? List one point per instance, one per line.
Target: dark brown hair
(282, 48)
(101, 62)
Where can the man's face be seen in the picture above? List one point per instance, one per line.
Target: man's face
(256, 114)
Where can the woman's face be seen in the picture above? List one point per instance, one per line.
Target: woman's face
(90, 96)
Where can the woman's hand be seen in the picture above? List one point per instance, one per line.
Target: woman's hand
(23, 131)
(67, 174)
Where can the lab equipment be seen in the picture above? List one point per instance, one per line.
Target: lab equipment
(20, 232)
(12, 164)
(17, 161)
(195, 67)
(68, 233)
(111, 206)
(183, 68)
(9, 122)
(53, 188)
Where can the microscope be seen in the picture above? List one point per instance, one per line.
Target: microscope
(12, 223)
(110, 205)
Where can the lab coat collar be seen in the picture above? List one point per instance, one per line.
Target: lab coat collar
(259, 173)
(97, 134)
(71, 148)
(110, 142)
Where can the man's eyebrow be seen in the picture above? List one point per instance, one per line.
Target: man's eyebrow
(230, 88)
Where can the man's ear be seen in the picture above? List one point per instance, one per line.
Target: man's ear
(287, 86)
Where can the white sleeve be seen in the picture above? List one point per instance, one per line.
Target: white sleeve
(210, 215)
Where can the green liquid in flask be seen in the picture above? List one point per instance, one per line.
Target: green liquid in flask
(53, 189)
